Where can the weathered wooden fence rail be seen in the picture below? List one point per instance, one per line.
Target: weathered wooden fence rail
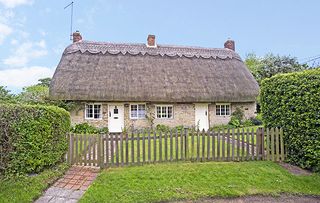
(141, 147)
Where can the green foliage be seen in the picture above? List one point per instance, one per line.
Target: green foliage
(257, 120)
(270, 65)
(32, 137)
(162, 128)
(292, 101)
(44, 82)
(247, 123)
(5, 95)
(234, 121)
(237, 117)
(86, 128)
(35, 94)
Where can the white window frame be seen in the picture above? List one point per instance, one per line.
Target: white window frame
(223, 104)
(163, 105)
(137, 104)
(94, 104)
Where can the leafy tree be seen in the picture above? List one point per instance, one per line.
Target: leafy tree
(35, 94)
(5, 95)
(270, 65)
(44, 82)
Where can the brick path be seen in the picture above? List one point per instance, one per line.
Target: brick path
(71, 186)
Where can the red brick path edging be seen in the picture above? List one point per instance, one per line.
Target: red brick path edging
(77, 178)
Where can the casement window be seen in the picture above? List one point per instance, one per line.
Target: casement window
(223, 109)
(93, 111)
(137, 111)
(164, 111)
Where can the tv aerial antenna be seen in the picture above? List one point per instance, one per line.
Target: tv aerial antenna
(71, 17)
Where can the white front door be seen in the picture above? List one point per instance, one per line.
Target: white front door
(116, 118)
(201, 121)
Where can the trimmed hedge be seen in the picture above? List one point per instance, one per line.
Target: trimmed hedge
(32, 137)
(292, 101)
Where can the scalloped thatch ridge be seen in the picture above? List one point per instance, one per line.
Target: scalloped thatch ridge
(98, 71)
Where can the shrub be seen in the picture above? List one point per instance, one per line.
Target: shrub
(86, 128)
(162, 128)
(234, 122)
(292, 101)
(236, 117)
(247, 123)
(32, 137)
(256, 121)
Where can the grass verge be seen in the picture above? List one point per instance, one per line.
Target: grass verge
(27, 189)
(164, 182)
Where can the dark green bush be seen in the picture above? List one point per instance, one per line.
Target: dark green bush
(292, 101)
(32, 137)
(86, 128)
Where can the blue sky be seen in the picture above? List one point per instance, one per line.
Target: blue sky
(34, 33)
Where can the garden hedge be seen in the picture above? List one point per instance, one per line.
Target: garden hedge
(32, 137)
(292, 101)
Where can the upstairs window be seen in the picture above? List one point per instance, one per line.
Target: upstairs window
(137, 111)
(223, 109)
(164, 111)
(93, 111)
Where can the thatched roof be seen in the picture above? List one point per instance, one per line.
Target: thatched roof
(134, 72)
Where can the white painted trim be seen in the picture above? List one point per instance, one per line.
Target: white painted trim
(85, 111)
(123, 119)
(155, 45)
(164, 105)
(137, 118)
(215, 113)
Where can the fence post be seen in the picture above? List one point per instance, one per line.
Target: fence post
(282, 144)
(258, 144)
(186, 144)
(99, 151)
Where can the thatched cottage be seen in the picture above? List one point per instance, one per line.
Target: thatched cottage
(138, 85)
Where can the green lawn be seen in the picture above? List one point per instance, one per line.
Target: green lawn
(27, 189)
(164, 182)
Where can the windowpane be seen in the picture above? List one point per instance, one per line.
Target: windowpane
(141, 111)
(227, 109)
(169, 111)
(158, 112)
(223, 110)
(97, 110)
(218, 110)
(93, 111)
(134, 112)
(164, 112)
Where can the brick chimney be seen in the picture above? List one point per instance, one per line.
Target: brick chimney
(151, 41)
(76, 36)
(229, 44)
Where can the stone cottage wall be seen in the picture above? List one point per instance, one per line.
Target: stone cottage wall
(183, 114)
(249, 109)
(78, 116)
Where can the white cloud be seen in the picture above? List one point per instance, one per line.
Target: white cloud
(14, 3)
(25, 52)
(14, 42)
(22, 77)
(4, 32)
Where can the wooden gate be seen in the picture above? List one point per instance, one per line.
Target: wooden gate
(141, 147)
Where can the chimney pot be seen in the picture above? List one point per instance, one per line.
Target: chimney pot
(229, 44)
(76, 36)
(151, 41)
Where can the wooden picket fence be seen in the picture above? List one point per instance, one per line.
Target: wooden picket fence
(142, 147)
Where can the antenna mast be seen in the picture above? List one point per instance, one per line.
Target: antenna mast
(71, 17)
